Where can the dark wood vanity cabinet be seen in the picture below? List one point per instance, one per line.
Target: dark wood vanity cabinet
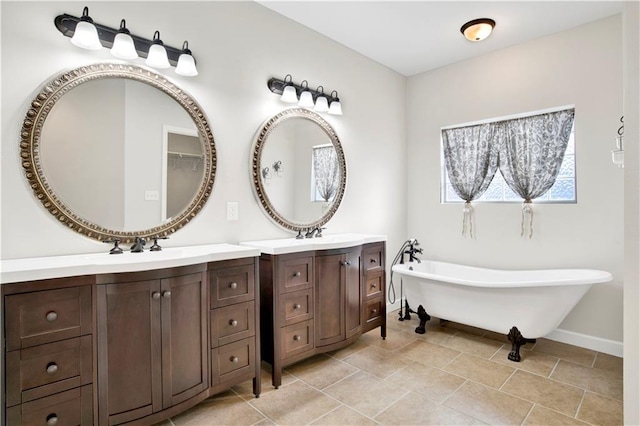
(134, 347)
(317, 301)
(152, 341)
(48, 352)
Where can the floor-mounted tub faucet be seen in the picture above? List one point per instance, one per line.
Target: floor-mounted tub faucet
(411, 250)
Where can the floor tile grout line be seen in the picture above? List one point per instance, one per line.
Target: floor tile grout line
(528, 414)
(508, 378)
(390, 405)
(584, 394)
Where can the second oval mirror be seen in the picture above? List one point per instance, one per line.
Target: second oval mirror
(298, 169)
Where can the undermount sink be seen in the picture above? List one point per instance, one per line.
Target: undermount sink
(326, 242)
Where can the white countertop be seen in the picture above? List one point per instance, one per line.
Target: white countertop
(39, 268)
(326, 242)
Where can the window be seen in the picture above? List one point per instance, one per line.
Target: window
(562, 191)
(325, 173)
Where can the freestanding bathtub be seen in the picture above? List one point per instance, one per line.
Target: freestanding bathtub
(533, 302)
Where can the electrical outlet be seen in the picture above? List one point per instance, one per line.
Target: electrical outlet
(150, 195)
(232, 210)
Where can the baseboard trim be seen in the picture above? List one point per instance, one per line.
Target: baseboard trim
(599, 344)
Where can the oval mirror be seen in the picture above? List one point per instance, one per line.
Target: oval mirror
(298, 169)
(118, 151)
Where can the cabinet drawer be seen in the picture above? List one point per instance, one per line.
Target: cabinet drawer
(232, 323)
(46, 316)
(233, 360)
(297, 306)
(231, 285)
(373, 310)
(70, 408)
(296, 338)
(373, 257)
(296, 274)
(47, 369)
(374, 284)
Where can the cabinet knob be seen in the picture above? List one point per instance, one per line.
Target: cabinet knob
(155, 295)
(52, 367)
(373, 261)
(233, 323)
(52, 419)
(233, 285)
(297, 338)
(52, 316)
(374, 285)
(234, 359)
(374, 311)
(297, 306)
(166, 294)
(346, 263)
(297, 274)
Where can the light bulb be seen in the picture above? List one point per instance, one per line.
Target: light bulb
(186, 62)
(321, 104)
(306, 99)
(85, 35)
(157, 57)
(289, 94)
(123, 45)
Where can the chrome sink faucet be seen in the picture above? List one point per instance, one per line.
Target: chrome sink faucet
(138, 245)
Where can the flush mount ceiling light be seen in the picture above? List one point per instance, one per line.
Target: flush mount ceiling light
(478, 29)
(86, 33)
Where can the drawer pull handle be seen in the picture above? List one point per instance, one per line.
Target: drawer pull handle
(155, 295)
(52, 316)
(374, 285)
(297, 274)
(296, 306)
(234, 359)
(166, 294)
(373, 261)
(52, 419)
(52, 368)
(233, 323)
(297, 338)
(346, 263)
(233, 286)
(374, 311)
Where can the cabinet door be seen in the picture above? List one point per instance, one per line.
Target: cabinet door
(354, 293)
(129, 356)
(184, 338)
(330, 299)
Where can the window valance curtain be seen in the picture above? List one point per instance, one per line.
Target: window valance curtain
(528, 151)
(531, 153)
(471, 159)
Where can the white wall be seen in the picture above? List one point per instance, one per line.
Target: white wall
(631, 27)
(238, 47)
(581, 66)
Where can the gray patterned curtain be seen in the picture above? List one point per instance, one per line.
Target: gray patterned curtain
(471, 159)
(326, 171)
(531, 153)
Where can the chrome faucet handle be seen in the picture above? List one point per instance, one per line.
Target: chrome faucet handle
(299, 236)
(319, 232)
(116, 248)
(156, 246)
(310, 233)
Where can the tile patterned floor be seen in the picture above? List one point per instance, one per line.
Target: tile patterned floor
(451, 375)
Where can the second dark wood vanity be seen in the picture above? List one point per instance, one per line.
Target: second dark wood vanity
(319, 301)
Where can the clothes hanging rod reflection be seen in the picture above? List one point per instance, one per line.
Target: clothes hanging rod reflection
(185, 154)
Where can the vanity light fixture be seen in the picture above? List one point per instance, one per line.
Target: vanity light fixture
(157, 53)
(322, 105)
(478, 29)
(617, 156)
(186, 63)
(124, 45)
(289, 93)
(306, 98)
(86, 34)
(335, 107)
(309, 98)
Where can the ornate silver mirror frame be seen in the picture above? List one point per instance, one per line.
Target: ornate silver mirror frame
(30, 140)
(256, 169)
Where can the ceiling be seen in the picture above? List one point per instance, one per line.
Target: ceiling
(412, 37)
